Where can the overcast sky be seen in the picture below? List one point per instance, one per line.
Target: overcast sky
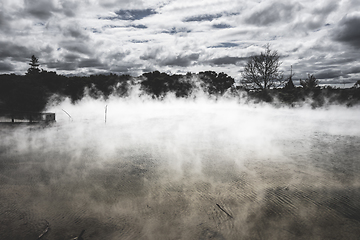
(320, 37)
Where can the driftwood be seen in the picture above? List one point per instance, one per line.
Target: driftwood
(45, 231)
(80, 236)
(224, 211)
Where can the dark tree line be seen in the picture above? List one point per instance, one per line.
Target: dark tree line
(32, 92)
(308, 92)
(264, 81)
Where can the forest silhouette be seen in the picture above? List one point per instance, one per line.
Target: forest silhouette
(33, 91)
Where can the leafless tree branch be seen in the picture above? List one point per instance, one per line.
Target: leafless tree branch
(263, 71)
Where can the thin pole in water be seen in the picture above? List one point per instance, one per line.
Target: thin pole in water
(105, 113)
(70, 118)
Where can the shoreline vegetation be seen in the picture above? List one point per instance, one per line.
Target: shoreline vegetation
(262, 81)
(33, 92)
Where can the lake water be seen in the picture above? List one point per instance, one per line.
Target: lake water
(183, 171)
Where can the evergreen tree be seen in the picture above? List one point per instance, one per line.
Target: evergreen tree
(310, 83)
(357, 84)
(34, 66)
(289, 85)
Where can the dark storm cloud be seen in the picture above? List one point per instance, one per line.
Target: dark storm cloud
(201, 18)
(320, 15)
(76, 46)
(221, 25)
(69, 8)
(13, 51)
(133, 14)
(348, 31)
(225, 45)
(354, 69)
(342, 61)
(140, 26)
(125, 68)
(180, 60)
(151, 53)
(59, 65)
(71, 57)
(41, 9)
(326, 10)
(67, 62)
(329, 73)
(227, 60)
(176, 30)
(139, 41)
(74, 61)
(121, 69)
(111, 26)
(44, 9)
(337, 81)
(328, 57)
(6, 67)
(325, 68)
(91, 63)
(75, 32)
(276, 12)
(117, 55)
(3, 21)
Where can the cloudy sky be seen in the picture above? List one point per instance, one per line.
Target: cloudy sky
(320, 37)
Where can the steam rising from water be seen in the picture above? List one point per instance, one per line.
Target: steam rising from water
(178, 169)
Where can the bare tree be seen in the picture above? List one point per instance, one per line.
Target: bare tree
(262, 72)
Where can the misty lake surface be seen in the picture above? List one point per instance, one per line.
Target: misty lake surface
(201, 171)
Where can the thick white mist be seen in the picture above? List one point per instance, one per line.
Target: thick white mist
(158, 169)
(180, 131)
